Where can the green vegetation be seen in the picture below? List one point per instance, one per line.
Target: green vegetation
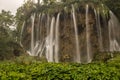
(60, 71)
(7, 35)
(30, 68)
(52, 7)
(113, 6)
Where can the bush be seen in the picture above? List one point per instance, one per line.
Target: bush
(60, 71)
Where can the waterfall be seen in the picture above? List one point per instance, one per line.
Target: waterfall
(38, 29)
(73, 33)
(51, 40)
(76, 37)
(57, 39)
(47, 38)
(37, 47)
(48, 24)
(88, 35)
(98, 24)
(32, 35)
(114, 30)
(41, 40)
(21, 34)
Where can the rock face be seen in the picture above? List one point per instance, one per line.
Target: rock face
(72, 36)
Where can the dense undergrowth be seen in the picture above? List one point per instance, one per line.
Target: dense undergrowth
(35, 70)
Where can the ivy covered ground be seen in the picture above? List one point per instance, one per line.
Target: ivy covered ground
(34, 70)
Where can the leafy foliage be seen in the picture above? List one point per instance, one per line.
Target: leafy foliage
(61, 71)
(23, 12)
(6, 20)
(113, 6)
(8, 43)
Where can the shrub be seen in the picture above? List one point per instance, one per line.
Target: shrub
(60, 71)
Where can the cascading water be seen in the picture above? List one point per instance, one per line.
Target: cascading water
(32, 35)
(114, 33)
(76, 37)
(88, 35)
(57, 39)
(71, 34)
(100, 40)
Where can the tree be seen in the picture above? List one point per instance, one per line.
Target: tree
(23, 12)
(6, 20)
(7, 36)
